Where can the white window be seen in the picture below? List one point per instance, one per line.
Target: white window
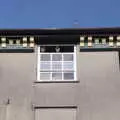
(56, 63)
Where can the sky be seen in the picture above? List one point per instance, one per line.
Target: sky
(59, 13)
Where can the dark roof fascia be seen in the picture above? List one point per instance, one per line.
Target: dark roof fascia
(61, 31)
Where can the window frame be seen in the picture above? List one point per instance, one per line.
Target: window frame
(62, 61)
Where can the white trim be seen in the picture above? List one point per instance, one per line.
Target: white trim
(38, 63)
(62, 69)
(75, 62)
(50, 67)
(57, 53)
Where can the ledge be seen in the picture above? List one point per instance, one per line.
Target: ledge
(75, 81)
(54, 107)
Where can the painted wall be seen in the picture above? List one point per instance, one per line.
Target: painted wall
(96, 95)
(17, 73)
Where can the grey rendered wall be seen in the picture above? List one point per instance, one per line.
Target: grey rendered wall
(3, 111)
(99, 88)
(96, 95)
(17, 73)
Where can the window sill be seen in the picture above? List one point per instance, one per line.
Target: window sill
(70, 81)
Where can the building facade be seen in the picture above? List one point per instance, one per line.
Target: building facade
(49, 74)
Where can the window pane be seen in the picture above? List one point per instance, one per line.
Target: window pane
(68, 66)
(52, 49)
(44, 66)
(42, 49)
(57, 66)
(67, 48)
(44, 76)
(56, 57)
(69, 76)
(67, 57)
(56, 76)
(45, 57)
